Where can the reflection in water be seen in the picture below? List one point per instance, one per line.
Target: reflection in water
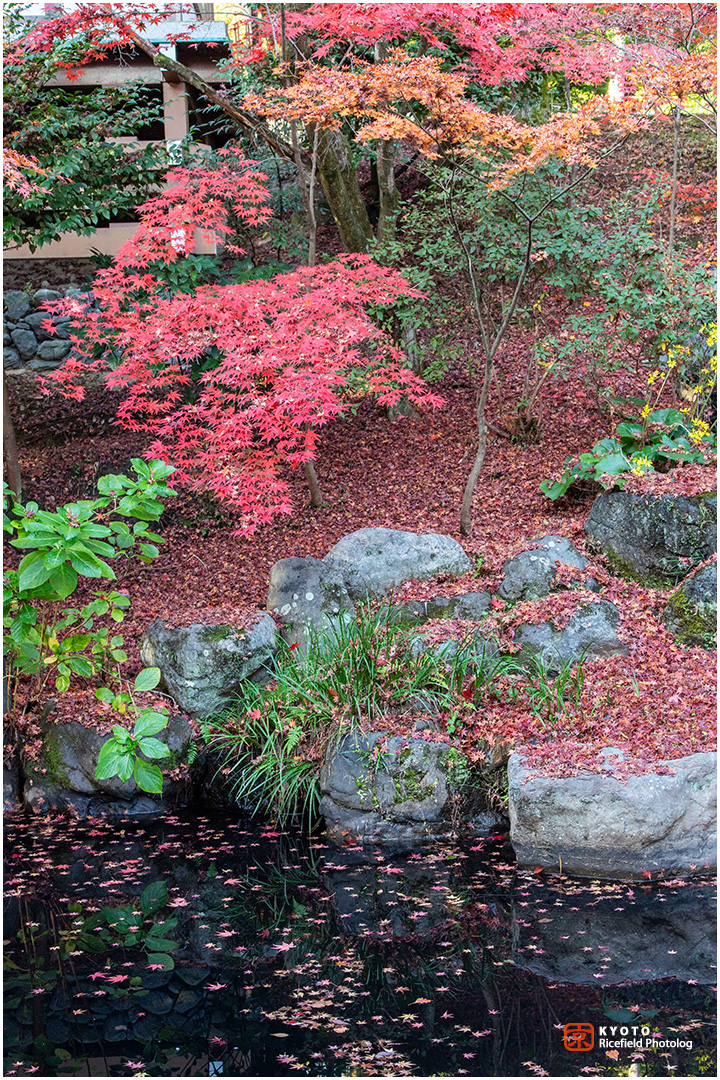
(196, 947)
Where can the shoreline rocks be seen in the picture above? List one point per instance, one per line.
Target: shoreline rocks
(202, 665)
(595, 825)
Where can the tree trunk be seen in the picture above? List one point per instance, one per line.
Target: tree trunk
(673, 194)
(388, 195)
(10, 451)
(316, 498)
(338, 178)
(466, 508)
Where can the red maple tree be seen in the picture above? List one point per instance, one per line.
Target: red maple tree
(234, 381)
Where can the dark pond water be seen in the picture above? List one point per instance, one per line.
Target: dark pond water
(293, 958)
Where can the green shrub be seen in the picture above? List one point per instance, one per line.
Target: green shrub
(44, 639)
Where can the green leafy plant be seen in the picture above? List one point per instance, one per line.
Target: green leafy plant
(274, 741)
(45, 639)
(131, 926)
(550, 694)
(658, 439)
(121, 754)
(638, 300)
(77, 540)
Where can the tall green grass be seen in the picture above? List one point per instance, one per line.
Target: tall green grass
(276, 737)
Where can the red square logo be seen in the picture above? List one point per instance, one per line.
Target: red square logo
(579, 1036)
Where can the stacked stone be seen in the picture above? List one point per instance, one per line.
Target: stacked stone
(26, 344)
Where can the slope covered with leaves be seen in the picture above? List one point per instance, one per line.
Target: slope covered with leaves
(656, 703)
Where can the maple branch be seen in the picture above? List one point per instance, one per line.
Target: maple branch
(246, 120)
(470, 268)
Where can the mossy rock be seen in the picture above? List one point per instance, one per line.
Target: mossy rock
(64, 776)
(653, 539)
(202, 665)
(691, 612)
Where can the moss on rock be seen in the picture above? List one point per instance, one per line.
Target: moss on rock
(691, 612)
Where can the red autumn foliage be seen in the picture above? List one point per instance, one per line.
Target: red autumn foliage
(285, 354)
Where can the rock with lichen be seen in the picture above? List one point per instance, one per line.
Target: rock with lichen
(653, 539)
(691, 611)
(202, 665)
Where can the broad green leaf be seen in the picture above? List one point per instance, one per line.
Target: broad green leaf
(33, 571)
(148, 777)
(141, 467)
(153, 748)
(80, 666)
(91, 528)
(162, 958)
(121, 734)
(605, 446)
(125, 768)
(666, 416)
(91, 943)
(554, 490)
(55, 557)
(154, 897)
(63, 581)
(630, 431)
(109, 760)
(149, 723)
(112, 484)
(88, 564)
(100, 548)
(612, 464)
(147, 679)
(160, 943)
(103, 694)
(160, 469)
(62, 683)
(76, 642)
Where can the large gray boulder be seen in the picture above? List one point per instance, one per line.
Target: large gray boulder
(598, 826)
(203, 665)
(44, 296)
(591, 632)
(36, 323)
(66, 778)
(532, 574)
(16, 304)
(379, 787)
(375, 561)
(653, 538)
(307, 594)
(53, 350)
(691, 612)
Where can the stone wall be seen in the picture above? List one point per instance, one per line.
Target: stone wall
(27, 344)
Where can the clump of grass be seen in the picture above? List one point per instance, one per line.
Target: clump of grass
(276, 737)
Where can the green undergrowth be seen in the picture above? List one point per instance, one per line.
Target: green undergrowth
(363, 673)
